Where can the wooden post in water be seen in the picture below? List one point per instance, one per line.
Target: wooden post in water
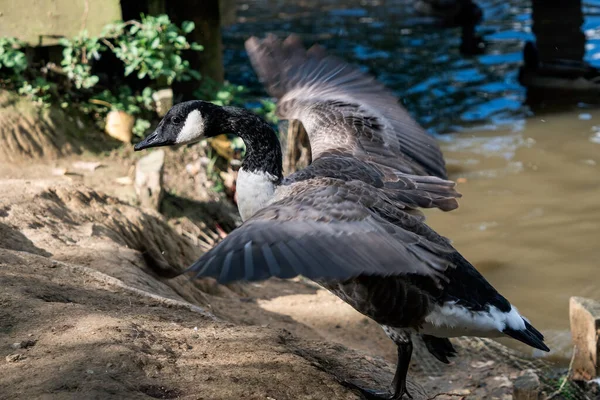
(557, 29)
(297, 154)
(585, 331)
(554, 70)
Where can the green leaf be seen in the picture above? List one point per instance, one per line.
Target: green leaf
(196, 47)
(187, 26)
(147, 92)
(155, 43)
(92, 80)
(194, 74)
(129, 69)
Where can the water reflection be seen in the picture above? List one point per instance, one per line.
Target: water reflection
(411, 54)
(529, 213)
(408, 52)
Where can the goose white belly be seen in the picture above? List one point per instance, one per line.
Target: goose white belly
(451, 320)
(255, 189)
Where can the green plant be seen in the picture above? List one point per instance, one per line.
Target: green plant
(12, 57)
(222, 94)
(267, 110)
(77, 53)
(141, 126)
(228, 94)
(153, 48)
(39, 90)
(212, 172)
(137, 105)
(122, 100)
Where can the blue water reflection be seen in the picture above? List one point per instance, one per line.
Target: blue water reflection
(415, 58)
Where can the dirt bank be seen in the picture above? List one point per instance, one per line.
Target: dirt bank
(29, 132)
(86, 313)
(89, 310)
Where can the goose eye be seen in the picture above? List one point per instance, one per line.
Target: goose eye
(176, 120)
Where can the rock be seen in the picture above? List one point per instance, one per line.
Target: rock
(28, 343)
(119, 125)
(89, 166)
(527, 387)
(13, 358)
(124, 180)
(297, 152)
(482, 364)
(585, 328)
(149, 178)
(163, 101)
(222, 145)
(59, 171)
(193, 168)
(23, 345)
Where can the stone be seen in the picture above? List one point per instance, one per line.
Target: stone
(13, 357)
(119, 125)
(149, 179)
(87, 165)
(59, 171)
(24, 344)
(124, 180)
(527, 387)
(163, 101)
(296, 147)
(585, 328)
(27, 343)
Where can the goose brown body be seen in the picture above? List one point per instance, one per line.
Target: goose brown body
(349, 220)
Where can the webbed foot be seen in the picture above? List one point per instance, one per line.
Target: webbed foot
(372, 394)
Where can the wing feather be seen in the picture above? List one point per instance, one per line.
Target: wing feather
(321, 231)
(318, 89)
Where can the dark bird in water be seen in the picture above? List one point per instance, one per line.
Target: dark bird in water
(350, 220)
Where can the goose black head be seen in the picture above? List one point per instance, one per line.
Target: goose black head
(185, 123)
(195, 120)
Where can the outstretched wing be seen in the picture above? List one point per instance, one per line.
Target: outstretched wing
(342, 108)
(404, 190)
(324, 229)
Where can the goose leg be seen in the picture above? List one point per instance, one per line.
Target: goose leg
(399, 383)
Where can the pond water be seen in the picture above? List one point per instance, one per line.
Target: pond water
(530, 212)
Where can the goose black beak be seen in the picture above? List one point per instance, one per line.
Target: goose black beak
(155, 139)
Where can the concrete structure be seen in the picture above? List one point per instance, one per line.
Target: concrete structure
(42, 22)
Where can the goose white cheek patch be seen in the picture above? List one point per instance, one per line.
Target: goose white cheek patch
(193, 128)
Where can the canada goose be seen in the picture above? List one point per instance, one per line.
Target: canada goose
(348, 220)
(410, 148)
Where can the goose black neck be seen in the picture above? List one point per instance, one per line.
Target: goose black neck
(263, 150)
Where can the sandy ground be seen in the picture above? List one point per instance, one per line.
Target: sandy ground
(87, 311)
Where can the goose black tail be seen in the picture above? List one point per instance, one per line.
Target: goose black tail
(530, 336)
(440, 348)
